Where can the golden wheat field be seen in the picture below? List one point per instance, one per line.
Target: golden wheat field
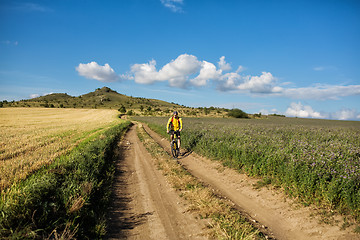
(33, 137)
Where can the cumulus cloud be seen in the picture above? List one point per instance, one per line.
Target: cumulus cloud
(173, 5)
(95, 71)
(208, 72)
(187, 71)
(176, 72)
(265, 83)
(302, 111)
(223, 65)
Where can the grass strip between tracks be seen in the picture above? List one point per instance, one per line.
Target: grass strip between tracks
(227, 223)
(66, 199)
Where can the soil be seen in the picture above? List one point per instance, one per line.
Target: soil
(146, 207)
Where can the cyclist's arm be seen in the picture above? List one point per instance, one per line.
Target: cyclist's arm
(168, 124)
(181, 125)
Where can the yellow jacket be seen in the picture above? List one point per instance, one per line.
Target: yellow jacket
(174, 124)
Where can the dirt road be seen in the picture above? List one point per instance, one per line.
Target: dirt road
(146, 207)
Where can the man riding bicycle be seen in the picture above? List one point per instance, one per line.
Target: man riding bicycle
(174, 126)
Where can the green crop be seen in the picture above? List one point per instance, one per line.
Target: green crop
(317, 161)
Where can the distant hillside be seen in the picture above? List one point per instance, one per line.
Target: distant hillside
(108, 98)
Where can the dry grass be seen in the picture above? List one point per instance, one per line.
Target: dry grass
(33, 137)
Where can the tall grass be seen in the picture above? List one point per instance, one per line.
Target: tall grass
(65, 199)
(317, 161)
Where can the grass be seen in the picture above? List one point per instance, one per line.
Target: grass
(33, 137)
(67, 198)
(226, 222)
(316, 161)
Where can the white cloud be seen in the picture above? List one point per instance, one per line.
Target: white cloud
(177, 72)
(319, 68)
(207, 72)
(145, 73)
(265, 83)
(173, 5)
(240, 69)
(27, 7)
(35, 95)
(7, 42)
(267, 112)
(299, 110)
(95, 71)
(346, 114)
(322, 92)
(186, 70)
(223, 65)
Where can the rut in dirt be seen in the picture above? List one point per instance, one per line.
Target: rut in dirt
(144, 205)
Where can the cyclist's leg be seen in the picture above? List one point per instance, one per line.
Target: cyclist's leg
(178, 135)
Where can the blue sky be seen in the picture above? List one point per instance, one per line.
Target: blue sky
(298, 58)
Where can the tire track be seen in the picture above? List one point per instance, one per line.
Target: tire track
(152, 208)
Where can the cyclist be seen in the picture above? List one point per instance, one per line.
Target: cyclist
(174, 126)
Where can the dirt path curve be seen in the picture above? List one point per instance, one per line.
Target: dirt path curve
(284, 219)
(145, 206)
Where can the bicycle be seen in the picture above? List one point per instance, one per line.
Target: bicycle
(174, 145)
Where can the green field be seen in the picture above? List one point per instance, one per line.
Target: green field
(316, 161)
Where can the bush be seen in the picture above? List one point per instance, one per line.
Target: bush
(237, 113)
(122, 109)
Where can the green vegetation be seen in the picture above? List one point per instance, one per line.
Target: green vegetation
(237, 113)
(66, 199)
(316, 161)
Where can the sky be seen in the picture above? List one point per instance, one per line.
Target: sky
(299, 58)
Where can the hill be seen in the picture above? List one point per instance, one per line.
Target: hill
(106, 98)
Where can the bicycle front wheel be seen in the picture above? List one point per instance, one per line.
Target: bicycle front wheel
(174, 150)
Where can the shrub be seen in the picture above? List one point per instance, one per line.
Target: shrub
(237, 113)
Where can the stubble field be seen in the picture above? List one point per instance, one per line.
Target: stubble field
(33, 137)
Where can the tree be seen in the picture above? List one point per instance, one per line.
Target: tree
(122, 109)
(237, 113)
(206, 111)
